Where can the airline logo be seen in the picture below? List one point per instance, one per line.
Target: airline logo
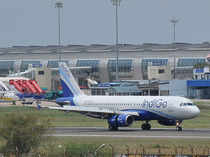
(65, 76)
(154, 104)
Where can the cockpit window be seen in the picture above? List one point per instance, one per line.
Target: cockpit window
(190, 104)
(187, 104)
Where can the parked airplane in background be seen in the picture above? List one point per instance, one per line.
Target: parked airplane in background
(19, 89)
(122, 111)
(7, 93)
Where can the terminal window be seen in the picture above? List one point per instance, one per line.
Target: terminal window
(124, 65)
(41, 72)
(189, 61)
(94, 64)
(153, 62)
(161, 71)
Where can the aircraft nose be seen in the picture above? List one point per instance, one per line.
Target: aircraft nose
(196, 111)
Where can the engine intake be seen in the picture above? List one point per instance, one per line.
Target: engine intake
(120, 120)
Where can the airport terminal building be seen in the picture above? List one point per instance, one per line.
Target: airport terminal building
(136, 62)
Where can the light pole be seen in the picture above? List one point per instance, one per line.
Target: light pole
(59, 5)
(116, 3)
(174, 21)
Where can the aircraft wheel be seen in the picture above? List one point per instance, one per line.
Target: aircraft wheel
(145, 126)
(148, 126)
(113, 128)
(179, 128)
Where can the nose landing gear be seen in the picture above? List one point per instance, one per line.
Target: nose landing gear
(178, 126)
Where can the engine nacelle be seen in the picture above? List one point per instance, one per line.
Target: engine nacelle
(122, 120)
(167, 122)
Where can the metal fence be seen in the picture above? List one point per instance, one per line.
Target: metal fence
(109, 150)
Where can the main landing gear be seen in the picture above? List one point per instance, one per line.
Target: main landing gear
(113, 128)
(146, 126)
(178, 126)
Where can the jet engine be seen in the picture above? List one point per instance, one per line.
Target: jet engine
(122, 120)
(167, 122)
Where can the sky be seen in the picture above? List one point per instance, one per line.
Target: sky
(35, 22)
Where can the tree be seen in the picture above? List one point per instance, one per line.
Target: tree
(22, 132)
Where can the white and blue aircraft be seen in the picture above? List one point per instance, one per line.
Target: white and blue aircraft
(122, 111)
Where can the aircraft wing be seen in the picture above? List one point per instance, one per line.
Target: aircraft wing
(94, 110)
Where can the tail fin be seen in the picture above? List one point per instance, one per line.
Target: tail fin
(68, 83)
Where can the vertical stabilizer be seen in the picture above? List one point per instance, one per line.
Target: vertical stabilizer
(69, 84)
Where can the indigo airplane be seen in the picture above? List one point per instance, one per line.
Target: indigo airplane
(122, 111)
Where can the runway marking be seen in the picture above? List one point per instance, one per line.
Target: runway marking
(123, 136)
